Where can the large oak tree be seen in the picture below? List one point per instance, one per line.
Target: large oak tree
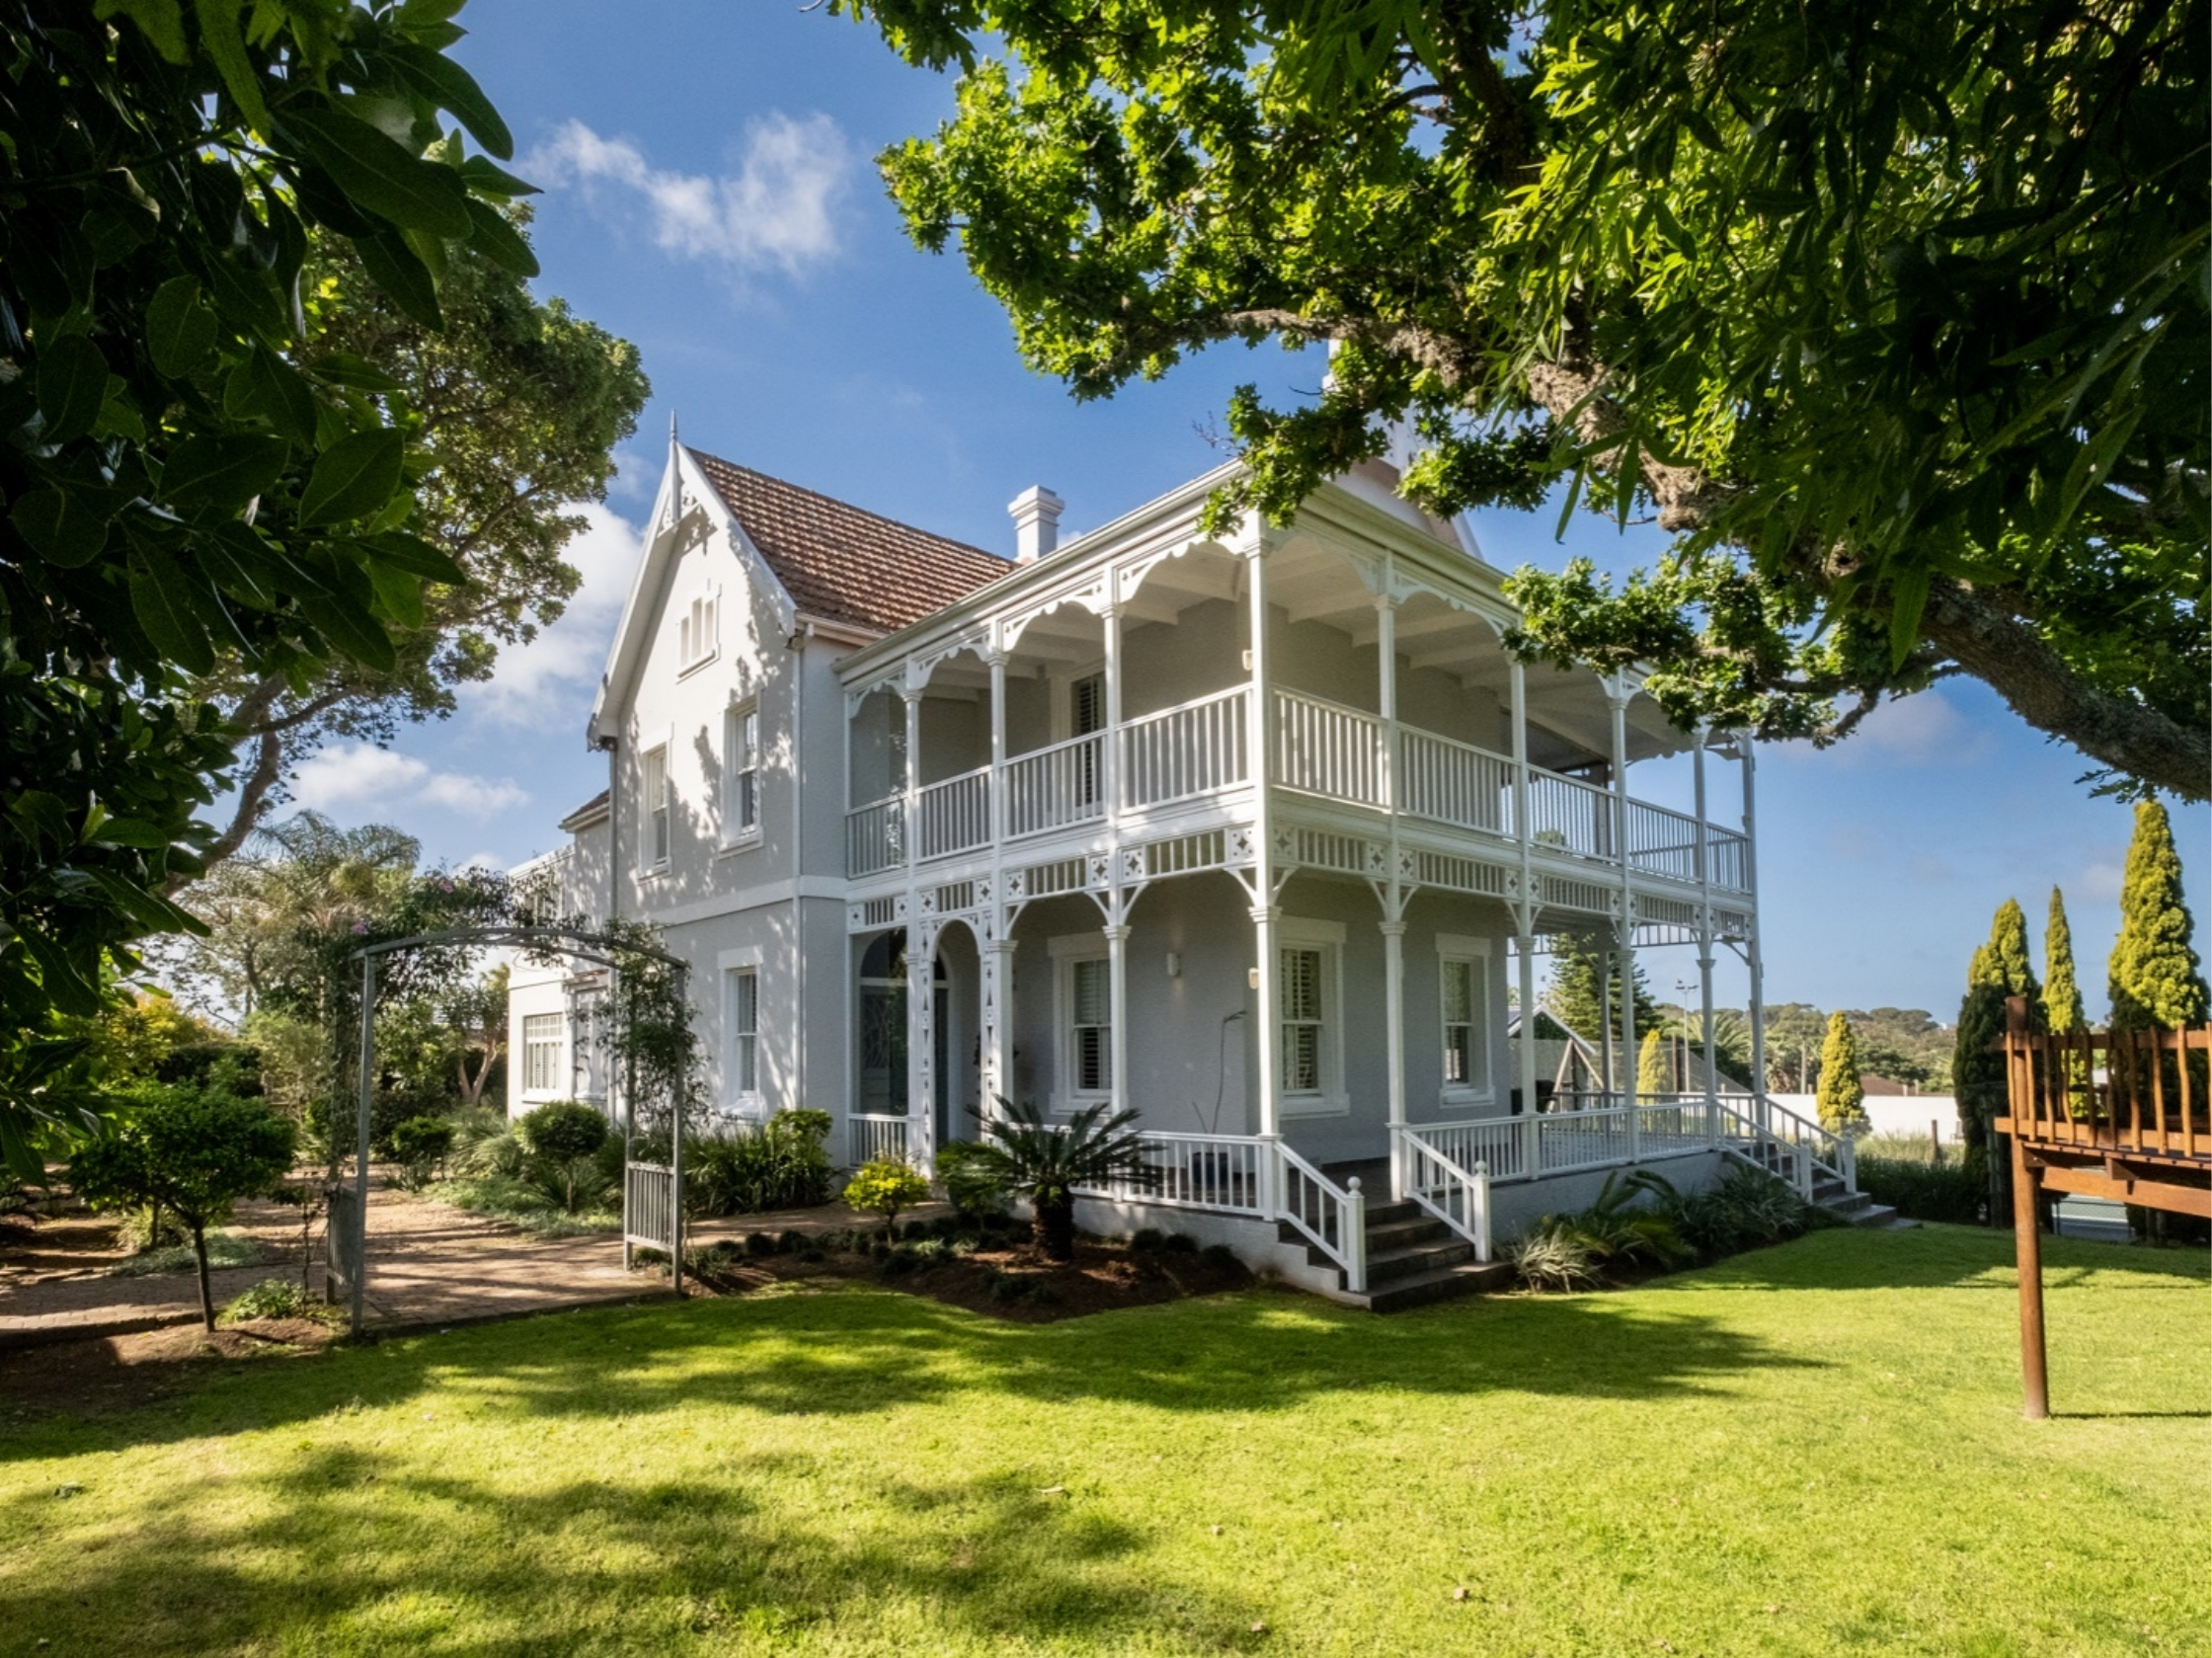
(1894, 314)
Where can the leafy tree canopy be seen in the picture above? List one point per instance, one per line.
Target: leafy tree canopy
(188, 481)
(1895, 315)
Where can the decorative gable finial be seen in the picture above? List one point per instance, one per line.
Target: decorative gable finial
(671, 428)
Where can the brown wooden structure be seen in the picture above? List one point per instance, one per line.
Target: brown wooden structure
(2107, 1113)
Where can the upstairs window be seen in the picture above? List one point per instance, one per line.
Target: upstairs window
(742, 1016)
(652, 813)
(696, 632)
(741, 756)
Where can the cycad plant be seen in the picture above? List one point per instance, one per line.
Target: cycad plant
(1046, 1161)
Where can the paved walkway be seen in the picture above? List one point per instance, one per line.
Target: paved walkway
(428, 1264)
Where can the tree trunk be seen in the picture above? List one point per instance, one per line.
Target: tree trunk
(207, 1292)
(1052, 1229)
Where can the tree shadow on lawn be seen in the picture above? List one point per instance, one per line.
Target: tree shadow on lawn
(350, 1550)
(855, 1350)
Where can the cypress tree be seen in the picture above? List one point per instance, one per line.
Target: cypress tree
(1652, 1071)
(2155, 976)
(1843, 1098)
(2008, 945)
(2000, 968)
(2061, 997)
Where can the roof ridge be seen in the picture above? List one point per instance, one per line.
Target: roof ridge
(848, 506)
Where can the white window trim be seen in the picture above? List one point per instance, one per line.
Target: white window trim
(1460, 947)
(1064, 697)
(664, 741)
(752, 1105)
(562, 1067)
(709, 592)
(1331, 1098)
(1067, 950)
(734, 839)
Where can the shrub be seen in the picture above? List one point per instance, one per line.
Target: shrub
(563, 1130)
(1550, 1257)
(759, 1244)
(1179, 1243)
(572, 1187)
(1220, 1256)
(885, 1187)
(1746, 1209)
(484, 1143)
(518, 1202)
(974, 1184)
(780, 1164)
(1047, 1162)
(193, 1150)
(1926, 1191)
(274, 1297)
(224, 1249)
(421, 1145)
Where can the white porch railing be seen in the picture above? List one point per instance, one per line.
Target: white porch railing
(1454, 782)
(1054, 787)
(1333, 1217)
(1326, 748)
(1725, 857)
(1455, 1194)
(1570, 815)
(1662, 842)
(1181, 752)
(874, 836)
(869, 1137)
(956, 813)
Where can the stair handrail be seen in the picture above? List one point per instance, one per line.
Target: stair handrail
(1316, 1204)
(1842, 1158)
(1473, 1186)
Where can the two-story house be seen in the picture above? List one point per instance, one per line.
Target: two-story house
(1251, 834)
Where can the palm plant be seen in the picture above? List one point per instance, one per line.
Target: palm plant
(1046, 1161)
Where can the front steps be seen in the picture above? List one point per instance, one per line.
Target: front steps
(1412, 1259)
(1828, 1192)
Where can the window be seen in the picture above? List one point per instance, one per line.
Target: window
(740, 750)
(1085, 994)
(1463, 984)
(740, 1012)
(694, 630)
(1087, 715)
(653, 828)
(541, 1052)
(1308, 1019)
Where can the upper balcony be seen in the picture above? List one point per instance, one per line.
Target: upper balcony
(1115, 690)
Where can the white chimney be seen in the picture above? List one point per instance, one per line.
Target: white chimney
(1036, 514)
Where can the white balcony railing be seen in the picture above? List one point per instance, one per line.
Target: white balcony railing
(956, 813)
(1179, 753)
(875, 837)
(1056, 787)
(1454, 782)
(1570, 815)
(1727, 858)
(1326, 748)
(871, 1137)
(1662, 842)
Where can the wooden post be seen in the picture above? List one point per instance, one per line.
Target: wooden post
(2027, 1245)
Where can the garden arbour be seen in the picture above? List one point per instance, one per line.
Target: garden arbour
(648, 1039)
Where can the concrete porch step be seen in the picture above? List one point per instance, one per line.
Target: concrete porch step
(1385, 1266)
(1422, 1289)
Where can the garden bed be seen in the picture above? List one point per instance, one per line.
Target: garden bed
(998, 1272)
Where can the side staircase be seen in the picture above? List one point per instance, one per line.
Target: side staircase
(1829, 1189)
(1412, 1259)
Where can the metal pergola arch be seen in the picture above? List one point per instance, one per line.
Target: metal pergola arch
(574, 943)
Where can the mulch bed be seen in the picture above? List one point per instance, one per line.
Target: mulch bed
(113, 1373)
(1005, 1278)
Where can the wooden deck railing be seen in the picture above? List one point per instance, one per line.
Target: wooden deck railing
(2132, 1092)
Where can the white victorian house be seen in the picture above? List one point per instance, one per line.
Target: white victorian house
(1247, 835)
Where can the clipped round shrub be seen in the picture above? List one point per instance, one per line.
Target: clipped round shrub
(900, 1261)
(915, 1230)
(1179, 1243)
(561, 1132)
(812, 1255)
(1147, 1240)
(885, 1187)
(1220, 1256)
(759, 1244)
(422, 1140)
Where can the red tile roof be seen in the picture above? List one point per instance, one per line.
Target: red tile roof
(844, 564)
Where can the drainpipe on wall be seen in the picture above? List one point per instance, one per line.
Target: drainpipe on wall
(797, 646)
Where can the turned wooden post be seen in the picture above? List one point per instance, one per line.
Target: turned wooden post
(2027, 1232)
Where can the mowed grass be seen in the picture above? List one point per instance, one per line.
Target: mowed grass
(1815, 1449)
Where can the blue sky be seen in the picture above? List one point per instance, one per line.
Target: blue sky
(710, 195)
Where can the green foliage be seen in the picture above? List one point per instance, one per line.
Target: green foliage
(1894, 314)
(2155, 976)
(1746, 1208)
(885, 1187)
(274, 1297)
(484, 1143)
(1956, 1192)
(1627, 1225)
(526, 1203)
(778, 1164)
(2062, 990)
(193, 1150)
(1654, 1067)
(421, 1145)
(1046, 1161)
(1552, 1257)
(185, 485)
(972, 1179)
(1842, 1101)
(1999, 970)
(562, 1130)
(224, 1249)
(1582, 995)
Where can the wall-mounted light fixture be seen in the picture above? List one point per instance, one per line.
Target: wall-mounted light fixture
(1174, 964)
(1251, 978)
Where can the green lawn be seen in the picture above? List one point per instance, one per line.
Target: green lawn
(1815, 1448)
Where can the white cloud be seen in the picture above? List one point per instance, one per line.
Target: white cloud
(385, 784)
(536, 684)
(2100, 881)
(1922, 730)
(779, 209)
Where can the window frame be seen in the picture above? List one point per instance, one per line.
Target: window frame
(699, 629)
(741, 1043)
(1068, 952)
(736, 718)
(1329, 1098)
(651, 861)
(553, 1049)
(1475, 954)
